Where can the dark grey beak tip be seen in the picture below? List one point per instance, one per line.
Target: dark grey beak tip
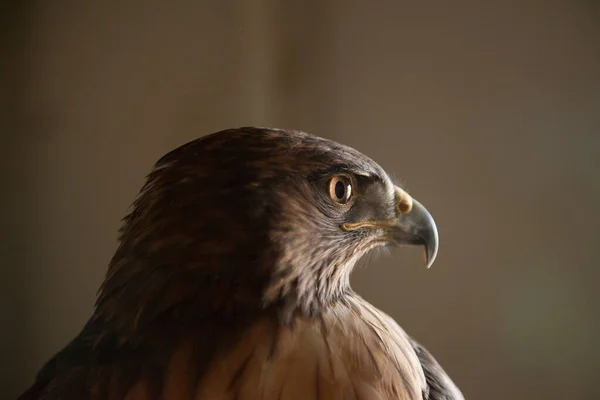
(417, 227)
(432, 245)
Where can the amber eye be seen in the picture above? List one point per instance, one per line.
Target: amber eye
(340, 189)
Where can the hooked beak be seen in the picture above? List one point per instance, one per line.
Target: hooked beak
(415, 226)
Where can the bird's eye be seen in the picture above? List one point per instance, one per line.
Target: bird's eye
(340, 189)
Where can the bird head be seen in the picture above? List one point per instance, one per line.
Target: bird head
(253, 218)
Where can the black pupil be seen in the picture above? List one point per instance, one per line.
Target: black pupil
(340, 190)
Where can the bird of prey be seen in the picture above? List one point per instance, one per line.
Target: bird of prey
(231, 281)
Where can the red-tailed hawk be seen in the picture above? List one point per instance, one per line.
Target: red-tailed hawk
(231, 281)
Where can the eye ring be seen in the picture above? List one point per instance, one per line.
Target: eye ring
(340, 189)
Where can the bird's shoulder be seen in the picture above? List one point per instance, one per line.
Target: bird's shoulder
(352, 350)
(439, 385)
(349, 351)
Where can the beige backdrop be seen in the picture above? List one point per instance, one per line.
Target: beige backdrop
(489, 111)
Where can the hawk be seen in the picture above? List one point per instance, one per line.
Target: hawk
(231, 281)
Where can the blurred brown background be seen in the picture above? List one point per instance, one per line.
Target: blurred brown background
(489, 111)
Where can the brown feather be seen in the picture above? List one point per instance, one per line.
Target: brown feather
(334, 358)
